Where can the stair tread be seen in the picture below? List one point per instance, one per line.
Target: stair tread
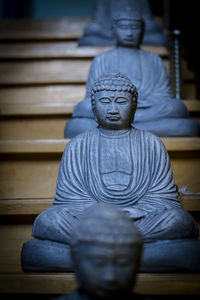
(58, 145)
(54, 71)
(44, 50)
(147, 283)
(42, 29)
(34, 206)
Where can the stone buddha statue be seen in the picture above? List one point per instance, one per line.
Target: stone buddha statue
(158, 111)
(99, 32)
(116, 164)
(105, 251)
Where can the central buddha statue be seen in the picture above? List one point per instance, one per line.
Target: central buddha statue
(116, 164)
(158, 111)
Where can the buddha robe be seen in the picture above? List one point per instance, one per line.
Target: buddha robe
(157, 110)
(131, 170)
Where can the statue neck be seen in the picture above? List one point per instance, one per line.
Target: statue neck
(81, 295)
(111, 132)
(125, 48)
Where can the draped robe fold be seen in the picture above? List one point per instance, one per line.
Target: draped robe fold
(151, 188)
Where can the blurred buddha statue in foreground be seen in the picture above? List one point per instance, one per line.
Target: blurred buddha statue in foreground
(158, 111)
(99, 32)
(105, 251)
(114, 164)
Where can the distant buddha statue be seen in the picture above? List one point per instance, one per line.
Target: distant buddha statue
(99, 31)
(105, 250)
(157, 110)
(115, 164)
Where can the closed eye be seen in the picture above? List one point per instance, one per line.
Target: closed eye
(122, 261)
(98, 261)
(105, 100)
(134, 27)
(123, 26)
(122, 100)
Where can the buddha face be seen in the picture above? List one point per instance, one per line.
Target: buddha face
(114, 110)
(129, 32)
(106, 270)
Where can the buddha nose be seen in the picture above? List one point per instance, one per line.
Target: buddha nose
(113, 109)
(109, 277)
(129, 32)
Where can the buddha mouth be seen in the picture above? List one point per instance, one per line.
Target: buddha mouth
(109, 289)
(113, 118)
(129, 39)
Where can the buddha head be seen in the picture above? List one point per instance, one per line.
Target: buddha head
(128, 30)
(114, 101)
(105, 250)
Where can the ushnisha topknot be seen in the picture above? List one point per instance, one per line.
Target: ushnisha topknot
(105, 224)
(114, 81)
(132, 13)
(134, 18)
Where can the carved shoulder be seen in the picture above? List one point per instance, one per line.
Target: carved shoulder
(154, 143)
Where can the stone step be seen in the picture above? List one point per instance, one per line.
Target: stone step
(61, 283)
(56, 49)
(29, 168)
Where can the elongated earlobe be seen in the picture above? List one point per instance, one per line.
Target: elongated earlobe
(94, 112)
